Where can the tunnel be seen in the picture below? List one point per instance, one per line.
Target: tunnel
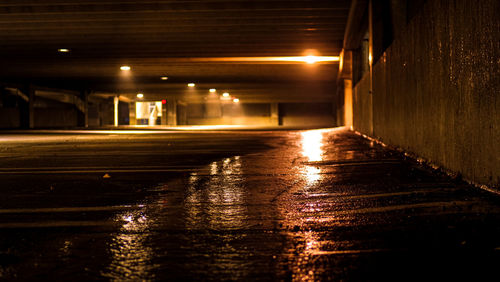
(345, 140)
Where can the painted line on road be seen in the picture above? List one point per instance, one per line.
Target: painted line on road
(70, 209)
(380, 195)
(396, 208)
(83, 171)
(56, 224)
(351, 252)
(354, 163)
(49, 168)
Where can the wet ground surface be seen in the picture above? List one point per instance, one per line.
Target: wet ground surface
(270, 205)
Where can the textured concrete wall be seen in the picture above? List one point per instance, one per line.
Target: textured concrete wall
(9, 118)
(437, 88)
(362, 106)
(55, 117)
(231, 121)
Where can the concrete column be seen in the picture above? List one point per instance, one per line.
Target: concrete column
(131, 114)
(164, 113)
(31, 93)
(348, 102)
(274, 114)
(27, 108)
(116, 101)
(83, 117)
(171, 112)
(370, 61)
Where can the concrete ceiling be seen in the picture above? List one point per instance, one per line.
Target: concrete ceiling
(169, 38)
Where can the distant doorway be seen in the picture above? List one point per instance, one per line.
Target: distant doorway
(148, 113)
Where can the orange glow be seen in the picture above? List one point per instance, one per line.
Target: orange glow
(312, 143)
(310, 59)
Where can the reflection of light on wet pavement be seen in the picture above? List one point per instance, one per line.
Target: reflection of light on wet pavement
(312, 148)
(307, 244)
(312, 174)
(131, 257)
(312, 141)
(213, 168)
(218, 197)
(216, 201)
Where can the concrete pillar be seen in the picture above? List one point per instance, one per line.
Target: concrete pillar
(348, 102)
(27, 108)
(370, 61)
(171, 112)
(31, 93)
(131, 114)
(116, 101)
(164, 113)
(274, 114)
(83, 117)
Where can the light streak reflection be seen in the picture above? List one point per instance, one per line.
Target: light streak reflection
(216, 200)
(131, 257)
(306, 245)
(312, 148)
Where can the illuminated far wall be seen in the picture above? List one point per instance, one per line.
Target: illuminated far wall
(262, 114)
(148, 113)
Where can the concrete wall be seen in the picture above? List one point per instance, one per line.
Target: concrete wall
(307, 114)
(55, 117)
(9, 118)
(264, 121)
(362, 106)
(436, 89)
(290, 114)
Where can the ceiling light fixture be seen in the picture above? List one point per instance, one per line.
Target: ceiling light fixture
(140, 95)
(63, 50)
(191, 84)
(212, 90)
(225, 94)
(164, 77)
(125, 68)
(236, 100)
(310, 59)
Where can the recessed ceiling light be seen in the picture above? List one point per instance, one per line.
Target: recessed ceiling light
(63, 50)
(225, 94)
(140, 95)
(191, 84)
(164, 77)
(125, 68)
(236, 100)
(212, 90)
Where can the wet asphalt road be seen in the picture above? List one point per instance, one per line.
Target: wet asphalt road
(236, 205)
